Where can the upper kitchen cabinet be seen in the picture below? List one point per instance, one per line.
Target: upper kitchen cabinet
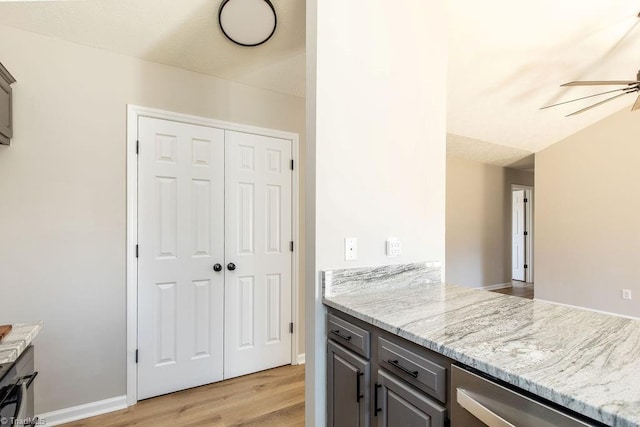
(6, 109)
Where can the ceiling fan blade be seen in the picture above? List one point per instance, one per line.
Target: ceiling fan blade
(585, 97)
(596, 104)
(601, 83)
(636, 106)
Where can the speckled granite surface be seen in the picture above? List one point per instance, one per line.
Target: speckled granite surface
(18, 339)
(353, 280)
(586, 361)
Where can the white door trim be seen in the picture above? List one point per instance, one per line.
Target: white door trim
(133, 113)
(528, 208)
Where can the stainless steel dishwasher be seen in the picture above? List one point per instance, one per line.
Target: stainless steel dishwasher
(16, 391)
(477, 400)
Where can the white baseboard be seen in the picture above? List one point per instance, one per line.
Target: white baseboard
(87, 410)
(494, 287)
(301, 359)
(588, 309)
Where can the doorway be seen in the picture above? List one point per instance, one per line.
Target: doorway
(521, 234)
(214, 273)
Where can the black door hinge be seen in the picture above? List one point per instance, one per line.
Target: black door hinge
(136, 355)
(526, 233)
(526, 266)
(291, 327)
(137, 147)
(526, 200)
(291, 246)
(291, 164)
(136, 251)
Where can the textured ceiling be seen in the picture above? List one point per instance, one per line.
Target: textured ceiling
(181, 33)
(487, 152)
(508, 58)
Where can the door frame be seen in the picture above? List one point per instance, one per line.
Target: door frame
(133, 113)
(528, 224)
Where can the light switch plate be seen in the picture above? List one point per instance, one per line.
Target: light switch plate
(626, 294)
(350, 248)
(394, 247)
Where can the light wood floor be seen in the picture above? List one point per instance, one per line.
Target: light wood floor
(523, 292)
(270, 398)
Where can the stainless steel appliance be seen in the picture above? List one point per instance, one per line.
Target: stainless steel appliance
(16, 391)
(478, 400)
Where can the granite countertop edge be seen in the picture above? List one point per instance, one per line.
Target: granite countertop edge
(18, 339)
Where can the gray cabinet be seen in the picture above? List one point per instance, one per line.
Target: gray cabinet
(399, 404)
(377, 378)
(348, 382)
(6, 107)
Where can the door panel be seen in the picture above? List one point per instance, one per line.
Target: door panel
(348, 383)
(245, 311)
(181, 237)
(517, 228)
(258, 230)
(403, 405)
(274, 309)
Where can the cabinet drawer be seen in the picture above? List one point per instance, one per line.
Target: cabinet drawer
(6, 129)
(349, 335)
(414, 368)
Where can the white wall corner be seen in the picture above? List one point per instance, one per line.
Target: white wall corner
(86, 410)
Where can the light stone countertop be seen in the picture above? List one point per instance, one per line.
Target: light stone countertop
(586, 361)
(18, 339)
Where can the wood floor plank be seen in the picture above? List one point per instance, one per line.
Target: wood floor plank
(269, 398)
(523, 292)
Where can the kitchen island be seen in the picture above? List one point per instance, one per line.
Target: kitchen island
(585, 361)
(20, 337)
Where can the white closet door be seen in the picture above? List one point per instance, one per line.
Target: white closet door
(258, 234)
(517, 239)
(181, 237)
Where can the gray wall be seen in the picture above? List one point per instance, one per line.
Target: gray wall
(587, 216)
(62, 197)
(478, 225)
(377, 84)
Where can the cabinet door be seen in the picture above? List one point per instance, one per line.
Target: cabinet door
(398, 404)
(348, 379)
(6, 129)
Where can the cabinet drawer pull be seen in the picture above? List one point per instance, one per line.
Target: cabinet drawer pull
(375, 403)
(396, 364)
(359, 395)
(344, 337)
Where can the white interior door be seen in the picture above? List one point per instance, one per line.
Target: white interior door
(518, 238)
(258, 234)
(181, 237)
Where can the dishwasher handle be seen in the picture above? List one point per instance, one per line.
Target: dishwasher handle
(478, 410)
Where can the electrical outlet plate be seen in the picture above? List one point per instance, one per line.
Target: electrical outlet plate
(350, 248)
(626, 294)
(394, 247)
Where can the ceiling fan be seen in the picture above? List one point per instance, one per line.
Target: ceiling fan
(630, 86)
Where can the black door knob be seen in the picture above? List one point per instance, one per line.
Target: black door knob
(217, 267)
(231, 266)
